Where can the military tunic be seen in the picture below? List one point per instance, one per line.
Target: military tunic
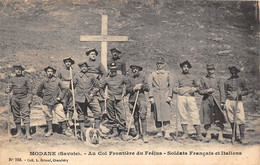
(85, 85)
(49, 90)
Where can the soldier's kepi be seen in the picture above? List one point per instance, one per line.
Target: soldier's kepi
(51, 91)
(138, 83)
(65, 77)
(116, 92)
(235, 88)
(21, 99)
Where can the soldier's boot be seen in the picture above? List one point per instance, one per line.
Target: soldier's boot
(65, 130)
(136, 123)
(19, 131)
(159, 133)
(114, 134)
(232, 127)
(242, 133)
(27, 129)
(144, 129)
(167, 135)
(49, 126)
(185, 131)
(82, 130)
(198, 132)
(123, 136)
(220, 137)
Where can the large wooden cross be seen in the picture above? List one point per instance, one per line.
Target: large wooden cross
(103, 38)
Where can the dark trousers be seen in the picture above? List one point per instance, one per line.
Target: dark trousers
(116, 113)
(82, 109)
(20, 110)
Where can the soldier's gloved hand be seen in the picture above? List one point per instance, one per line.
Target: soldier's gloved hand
(138, 87)
(152, 100)
(7, 90)
(211, 90)
(168, 100)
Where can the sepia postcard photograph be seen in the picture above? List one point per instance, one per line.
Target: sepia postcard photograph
(129, 82)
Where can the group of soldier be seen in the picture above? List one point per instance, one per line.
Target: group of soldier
(103, 93)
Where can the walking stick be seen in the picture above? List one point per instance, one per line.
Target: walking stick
(132, 115)
(73, 101)
(235, 118)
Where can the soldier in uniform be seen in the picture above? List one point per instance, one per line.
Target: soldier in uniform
(86, 88)
(235, 88)
(21, 100)
(116, 92)
(96, 68)
(186, 87)
(160, 84)
(51, 92)
(212, 89)
(118, 61)
(138, 83)
(64, 75)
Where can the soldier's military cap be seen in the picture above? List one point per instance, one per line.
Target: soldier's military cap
(82, 63)
(115, 50)
(160, 60)
(235, 68)
(50, 67)
(185, 63)
(112, 66)
(69, 59)
(91, 50)
(210, 66)
(136, 66)
(19, 67)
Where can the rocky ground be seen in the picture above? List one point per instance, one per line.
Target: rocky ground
(38, 33)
